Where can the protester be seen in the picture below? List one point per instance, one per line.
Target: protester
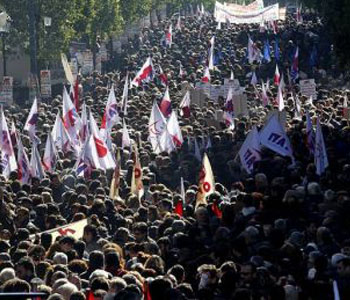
(274, 226)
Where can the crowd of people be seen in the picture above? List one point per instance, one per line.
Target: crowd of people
(282, 231)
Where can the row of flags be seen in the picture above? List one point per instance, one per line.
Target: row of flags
(274, 137)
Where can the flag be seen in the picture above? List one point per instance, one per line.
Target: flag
(265, 97)
(88, 159)
(274, 137)
(254, 53)
(321, 159)
(166, 142)
(165, 105)
(8, 158)
(336, 290)
(294, 72)
(71, 119)
(136, 179)
(61, 137)
(232, 76)
(14, 134)
(169, 36)
(76, 94)
(126, 141)
(84, 129)
(125, 95)
(110, 116)
(115, 182)
(163, 77)
(211, 53)
(156, 126)
(206, 184)
(185, 106)
(174, 130)
(254, 79)
(299, 17)
(145, 74)
(229, 101)
(23, 171)
(280, 99)
(178, 23)
(67, 69)
(208, 145)
(345, 107)
(179, 207)
(181, 72)
(50, 154)
(228, 118)
(104, 155)
(262, 26)
(277, 49)
(310, 134)
(250, 151)
(36, 168)
(32, 121)
(277, 77)
(206, 75)
(218, 27)
(267, 52)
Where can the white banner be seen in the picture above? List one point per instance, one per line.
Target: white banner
(88, 64)
(6, 96)
(45, 80)
(308, 88)
(224, 13)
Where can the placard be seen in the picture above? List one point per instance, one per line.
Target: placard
(240, 104)
(216, 91)
(88, 63)
(6, 96)
(308, 88)
(45, 80)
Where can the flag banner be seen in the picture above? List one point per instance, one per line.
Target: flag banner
(67, 69)
(250, 150)
(226, 14)
(6, 93)
(75, 229)
(45, 83)
(206, 184)
(275, 138)
(321, 159)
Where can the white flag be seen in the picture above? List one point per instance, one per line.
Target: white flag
(156, 126)
(211, 53)
(23, 164)
(275, 138)
(32, 121)
(321, 159)
(126, 141)
(36, 168)
(174, 129)
(61, 137)
(250, 150)
(206, 184)
(166, 142)
(50, 154)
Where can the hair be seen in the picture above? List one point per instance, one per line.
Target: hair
(77, 296)
(16, 286)
(96, 260)
(99, 283)
(156, 263)
(178, 272)
(77, 266)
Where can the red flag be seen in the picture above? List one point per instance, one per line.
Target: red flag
(146, 292)
(76, 94)
(216, 210)
(90, 295)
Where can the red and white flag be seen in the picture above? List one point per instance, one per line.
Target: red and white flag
(178, 23)
(180, 205)
(88, 159)
(84, 129)
(36, 168)
(8, 158)
(110, 116)
(136, 179)
(104, 155)
(115, 182)
(185, 106)
(254, 54)
(206, 75)
(321, 158)
(166, 142)
(280, 99)
(156, 126)
(32, 121)
(145, 74)
(71, 119)
(206, 185)
(14, 134)
(163, 77)
(61, 137)
(250, 150)
(169, 36)
(299, 17)
(23, 164)
(126, 141)
(174, 130)
(277, 77)
(165, 105)
(50, 155)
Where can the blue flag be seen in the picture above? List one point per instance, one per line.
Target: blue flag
(277, 49)
(267, 54)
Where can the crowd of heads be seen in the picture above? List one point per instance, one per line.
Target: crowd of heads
(283, 232)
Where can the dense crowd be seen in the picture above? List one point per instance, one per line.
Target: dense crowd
(283, 231)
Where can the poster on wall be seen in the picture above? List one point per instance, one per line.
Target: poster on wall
(6, 95)
(45, 80)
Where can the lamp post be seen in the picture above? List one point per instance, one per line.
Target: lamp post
(5, 22)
